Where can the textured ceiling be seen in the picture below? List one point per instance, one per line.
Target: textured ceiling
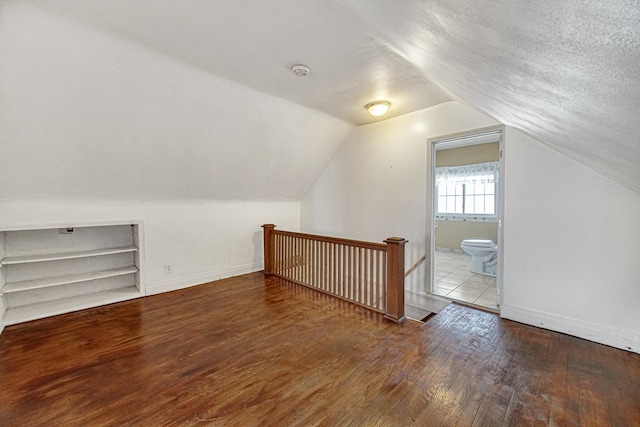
(256, 42)
(565, 72)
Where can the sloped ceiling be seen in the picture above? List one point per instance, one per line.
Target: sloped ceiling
(88, 115)
(565, 72)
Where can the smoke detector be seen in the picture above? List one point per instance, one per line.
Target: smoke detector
(300, 70)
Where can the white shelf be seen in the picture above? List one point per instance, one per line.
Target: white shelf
(65, 255)
(51, 308)
(63, 280)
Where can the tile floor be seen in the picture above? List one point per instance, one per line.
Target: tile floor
(454, 280)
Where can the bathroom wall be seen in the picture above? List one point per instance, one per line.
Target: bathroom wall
(479, 153)
(450, 233)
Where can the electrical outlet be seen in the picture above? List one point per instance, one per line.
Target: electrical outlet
(168, 268)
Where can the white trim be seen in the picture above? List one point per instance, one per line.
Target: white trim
(502, 194)
(614, 337)
(474, 138)
(465, 138)
(3, 310)
(199, 279)
(467, 218)
(3, 307)
(73, 224)
(431, 217)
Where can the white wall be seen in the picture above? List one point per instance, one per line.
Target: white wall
(204, 241)
(571, 247)
(85, 114)
(376, 185)
(570, 234)
(97, 128)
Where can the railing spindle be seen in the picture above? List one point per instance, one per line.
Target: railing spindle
(356, 252)
(299, 264)
(335, 268)
(316, 258)
(342, 270)
(276, 261)
(323, 265)
(306, 260)
(366, 281)
(347, 291)
(360, 278)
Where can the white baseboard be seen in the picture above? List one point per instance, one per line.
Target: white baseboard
(198, 279)
(614, 337)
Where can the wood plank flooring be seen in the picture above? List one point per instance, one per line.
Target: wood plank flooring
(251, 351)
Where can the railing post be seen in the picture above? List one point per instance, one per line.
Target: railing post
(269, 247)
(395, 279)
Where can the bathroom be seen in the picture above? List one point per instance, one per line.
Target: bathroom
(466, 220)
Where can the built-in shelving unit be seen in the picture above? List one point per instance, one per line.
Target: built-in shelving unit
(50, 271)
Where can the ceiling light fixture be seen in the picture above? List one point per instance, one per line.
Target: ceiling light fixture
(300, 70)
(378, 108)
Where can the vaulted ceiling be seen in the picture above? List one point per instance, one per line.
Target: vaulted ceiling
(566, 72)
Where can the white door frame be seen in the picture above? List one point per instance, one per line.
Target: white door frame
(431, 221)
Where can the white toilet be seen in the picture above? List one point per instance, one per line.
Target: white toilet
(484, 255)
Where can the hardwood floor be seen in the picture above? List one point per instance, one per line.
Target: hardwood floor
(248, 351)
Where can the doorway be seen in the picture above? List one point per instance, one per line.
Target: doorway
(465, 218)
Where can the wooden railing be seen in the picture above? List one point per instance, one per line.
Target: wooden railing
(364, 273)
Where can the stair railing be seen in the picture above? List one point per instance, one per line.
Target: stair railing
(367, 274)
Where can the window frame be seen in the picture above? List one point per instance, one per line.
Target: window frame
(466, 216)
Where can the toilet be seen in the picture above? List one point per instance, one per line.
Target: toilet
(484, 255)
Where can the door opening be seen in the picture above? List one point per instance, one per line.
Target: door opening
(465, 218)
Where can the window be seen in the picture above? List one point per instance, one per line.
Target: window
(467, 191)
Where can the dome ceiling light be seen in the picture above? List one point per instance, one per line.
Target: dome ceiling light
(378, 108)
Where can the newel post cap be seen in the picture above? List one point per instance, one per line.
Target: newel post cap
(396, 240)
